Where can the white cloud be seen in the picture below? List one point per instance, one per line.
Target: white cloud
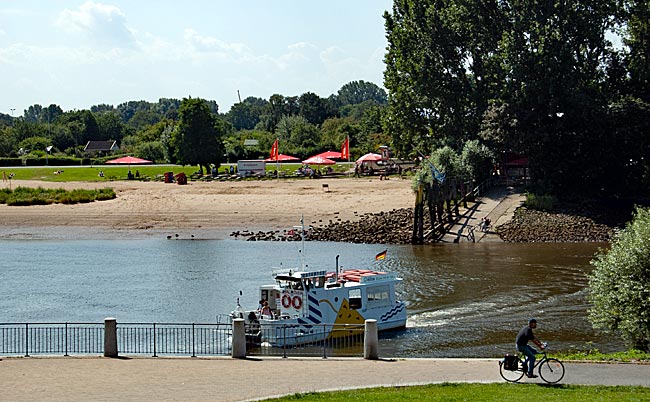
(103, 24)
(210, 44)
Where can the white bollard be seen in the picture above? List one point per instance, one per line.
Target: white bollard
(110, 337)
(238, 339)
(371, 341)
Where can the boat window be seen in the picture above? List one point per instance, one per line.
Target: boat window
(354, 296)
(378, 296)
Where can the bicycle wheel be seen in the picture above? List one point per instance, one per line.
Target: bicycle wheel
(511, 375)
(551, 370)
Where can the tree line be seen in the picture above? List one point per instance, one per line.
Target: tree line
(193, 131)
(562, 83)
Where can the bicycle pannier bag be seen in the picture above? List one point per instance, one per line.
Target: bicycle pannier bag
(510, 362)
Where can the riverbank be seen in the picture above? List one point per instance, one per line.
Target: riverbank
(355, 210)
(203, 209)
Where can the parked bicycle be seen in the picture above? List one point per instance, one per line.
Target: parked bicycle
(550, 369)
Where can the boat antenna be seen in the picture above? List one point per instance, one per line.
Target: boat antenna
(302, 237)
(337, 268)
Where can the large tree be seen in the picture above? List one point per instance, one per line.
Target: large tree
(356, 92)
(441, 69)
(619, 285)
(531, 76)
(198, 136)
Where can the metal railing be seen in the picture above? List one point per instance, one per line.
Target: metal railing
(51, 338)
(324, 340)
(179, 339)
(158, 339)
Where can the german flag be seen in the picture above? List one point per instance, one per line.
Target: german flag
(381, 255)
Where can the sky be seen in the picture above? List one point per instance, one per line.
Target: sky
(77, 54)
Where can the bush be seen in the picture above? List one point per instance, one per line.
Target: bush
(24, 196)
(619, 285)
(540, 202)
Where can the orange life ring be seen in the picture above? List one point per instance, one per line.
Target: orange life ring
(297, 302)
(286, 301)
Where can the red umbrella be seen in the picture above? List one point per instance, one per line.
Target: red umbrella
(128, 160)
(330, 155)
(369, 158)
(283, 158)
(318, 160)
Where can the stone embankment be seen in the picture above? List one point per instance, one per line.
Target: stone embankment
(396, 227)
(530, 225)
(391, 227)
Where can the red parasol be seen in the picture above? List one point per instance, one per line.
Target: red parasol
(128, 160)
(369, 158)
(282, 158)
(330, 155)
(318, 160)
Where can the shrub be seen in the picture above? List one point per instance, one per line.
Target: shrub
(541, 202)
(24, 196)
(619, 285)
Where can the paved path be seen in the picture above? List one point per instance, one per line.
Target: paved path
(224, 379)
(498, 204)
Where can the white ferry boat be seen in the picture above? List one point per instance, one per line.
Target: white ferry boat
(310, 306)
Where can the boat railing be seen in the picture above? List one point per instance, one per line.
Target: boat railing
(326, 340)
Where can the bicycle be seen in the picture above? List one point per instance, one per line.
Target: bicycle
(550, 369)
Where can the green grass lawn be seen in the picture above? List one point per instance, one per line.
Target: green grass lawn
(480, 392)
(111, 173)
(91, 173)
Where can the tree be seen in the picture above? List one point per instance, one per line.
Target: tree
(82, 124)
(619, 285)
(299, 133)
(110, 127)
(245, 115)
(356, 92)
(637, 39)
(314, 108)
(477, 160)
(198, 136)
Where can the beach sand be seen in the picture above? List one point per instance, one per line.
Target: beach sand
(203, 209)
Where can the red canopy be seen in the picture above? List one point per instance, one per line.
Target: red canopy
(318, 160)
(369, 158)
(330, 155)
(282, 158)
(128, 160)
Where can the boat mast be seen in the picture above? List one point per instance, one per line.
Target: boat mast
(302, 238)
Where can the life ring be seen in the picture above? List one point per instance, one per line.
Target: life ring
(297, 302)
(286, 301)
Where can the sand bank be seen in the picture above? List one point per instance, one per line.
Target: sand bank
(204, 209)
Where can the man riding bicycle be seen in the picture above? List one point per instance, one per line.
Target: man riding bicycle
(525, 335)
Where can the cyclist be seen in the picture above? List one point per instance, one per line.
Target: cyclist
(525, 335)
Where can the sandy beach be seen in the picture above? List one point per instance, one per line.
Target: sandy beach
(203, 209)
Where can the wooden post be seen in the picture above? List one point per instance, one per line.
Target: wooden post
(417, 236)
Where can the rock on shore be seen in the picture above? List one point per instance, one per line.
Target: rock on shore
(526, 226)
(530, 225)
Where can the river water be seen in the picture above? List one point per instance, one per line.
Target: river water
(463, 299)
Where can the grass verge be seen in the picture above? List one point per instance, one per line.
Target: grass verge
(630, 356)
(24, 196)
(480, 392)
